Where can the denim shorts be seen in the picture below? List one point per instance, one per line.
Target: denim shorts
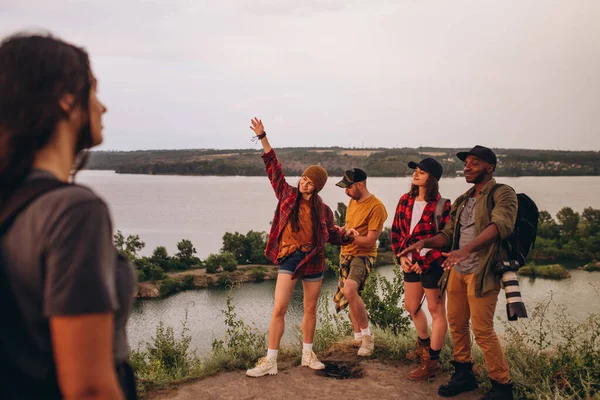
(288, 266)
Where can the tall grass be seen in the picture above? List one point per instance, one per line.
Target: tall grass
(549, 358)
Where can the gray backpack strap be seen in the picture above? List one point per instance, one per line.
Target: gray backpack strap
(439, 211)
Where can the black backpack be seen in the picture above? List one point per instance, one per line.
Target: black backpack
(522, 240)
(18, 384)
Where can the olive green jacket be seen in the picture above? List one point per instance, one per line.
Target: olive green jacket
(504, 215)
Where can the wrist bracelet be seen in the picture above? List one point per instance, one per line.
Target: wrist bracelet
(259, 137)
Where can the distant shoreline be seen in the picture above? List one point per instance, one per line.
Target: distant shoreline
(373, 176)
(378, 162)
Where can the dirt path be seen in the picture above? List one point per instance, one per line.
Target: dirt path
(379, 381)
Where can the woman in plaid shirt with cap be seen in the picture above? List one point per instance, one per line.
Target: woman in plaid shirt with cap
(301, 226)
(419, 215)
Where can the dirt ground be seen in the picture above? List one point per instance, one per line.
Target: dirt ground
(379, 381)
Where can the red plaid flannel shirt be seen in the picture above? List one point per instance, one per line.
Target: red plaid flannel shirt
(402, 238)
(314, 262)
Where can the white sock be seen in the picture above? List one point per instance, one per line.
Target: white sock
(366, 331)
(272, 354)
(357, 335)
(307, 346)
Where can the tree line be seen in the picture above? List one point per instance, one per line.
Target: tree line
(377, 162)
(570, 236)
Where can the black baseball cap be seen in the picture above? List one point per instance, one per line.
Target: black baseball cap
(430, 165)
(352, 176)
(480, 152)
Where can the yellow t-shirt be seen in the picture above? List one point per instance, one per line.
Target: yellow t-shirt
(368, 215)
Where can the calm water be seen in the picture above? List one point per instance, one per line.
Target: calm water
(166, 209)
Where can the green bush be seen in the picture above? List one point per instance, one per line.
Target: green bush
(248, 248)
(160, 257)
(332, 256)
(169, 287)
(242, 344)
(224, 260)
(385, 311)
(593, 266)
(258, 274)
(554, 271)
(148, 270)
(331, 326)
(141, 275)
(226, 279)
(166, 359)
(557, 359)
(385, 240)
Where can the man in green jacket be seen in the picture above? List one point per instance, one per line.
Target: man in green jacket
(474, 237)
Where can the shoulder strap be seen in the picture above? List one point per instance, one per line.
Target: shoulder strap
(24, 196)
(439, 210)
(490, 202)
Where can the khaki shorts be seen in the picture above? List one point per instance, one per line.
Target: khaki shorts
(358, 271)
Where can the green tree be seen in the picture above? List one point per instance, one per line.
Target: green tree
(186, 255)
(235, 243)
(547, 227)
(228, 262)
(340, 214)
(385, 241)
(248, 248)
(591, 217)
(160, 257)
(147, 270)
(568, 220)
(129, 246)
(224, 260)
(256, 243)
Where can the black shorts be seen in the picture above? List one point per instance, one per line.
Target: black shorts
(428, 279)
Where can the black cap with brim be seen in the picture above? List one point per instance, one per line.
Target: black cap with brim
(352, 176)
(429, 165)
(481, 152)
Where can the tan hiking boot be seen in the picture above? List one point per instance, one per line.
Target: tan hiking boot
(427, 369)
(264, 366)
(418, 352)
(367, 346)
(310, 360)
(356, 342)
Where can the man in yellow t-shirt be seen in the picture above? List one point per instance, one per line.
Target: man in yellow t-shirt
(365, 215)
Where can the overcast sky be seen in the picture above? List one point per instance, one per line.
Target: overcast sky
(357, 73)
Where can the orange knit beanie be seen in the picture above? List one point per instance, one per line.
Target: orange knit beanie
(317, 175)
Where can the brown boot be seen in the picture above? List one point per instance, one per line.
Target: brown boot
(417, 354)
(427, 369)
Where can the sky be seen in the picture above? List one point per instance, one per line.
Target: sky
(184, 74)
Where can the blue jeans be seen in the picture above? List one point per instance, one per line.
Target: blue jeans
(288, 266)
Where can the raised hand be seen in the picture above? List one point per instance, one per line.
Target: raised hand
(454, 257)
(257, 126)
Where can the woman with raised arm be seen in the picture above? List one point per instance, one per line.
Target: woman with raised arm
(301, 226)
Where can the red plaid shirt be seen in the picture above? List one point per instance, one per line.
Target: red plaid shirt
(425, 228)
(314, 262)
